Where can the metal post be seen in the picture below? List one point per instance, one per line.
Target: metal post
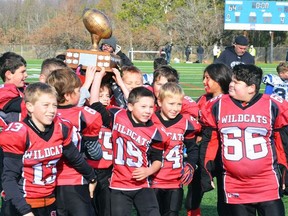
(132, 54)
(271, 46)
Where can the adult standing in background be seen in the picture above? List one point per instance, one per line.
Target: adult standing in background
(216, 50)
(252, 51)
(188, 51)
(200, 53)
(168, 50)
(110, 45)
(236, 54)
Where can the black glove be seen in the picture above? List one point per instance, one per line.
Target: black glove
(93, 149)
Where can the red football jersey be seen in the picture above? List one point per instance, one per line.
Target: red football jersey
(130, 143)
(180, 130)
(105, 139)
(251, 146)
(8, 92)
(39, 156)
(86, 122)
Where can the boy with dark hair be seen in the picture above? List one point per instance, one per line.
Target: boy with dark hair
(158, 62)
(13, 73)
(32, 149)
(250, 129)
(169, 180)
(136, 143)
(71, 187)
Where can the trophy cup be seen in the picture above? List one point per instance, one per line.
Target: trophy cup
(99, 26)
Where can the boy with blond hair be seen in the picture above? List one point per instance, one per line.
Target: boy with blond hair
(169, 180)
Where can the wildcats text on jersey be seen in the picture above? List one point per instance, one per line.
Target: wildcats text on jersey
(44, 153)
(244, 118)
(126, 131)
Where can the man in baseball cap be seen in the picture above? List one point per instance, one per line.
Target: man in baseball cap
(241, 40)
(237, 53)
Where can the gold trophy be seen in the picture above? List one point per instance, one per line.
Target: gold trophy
(99, 26)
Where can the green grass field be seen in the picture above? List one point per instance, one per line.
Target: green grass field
(191, 81)
(190, 74)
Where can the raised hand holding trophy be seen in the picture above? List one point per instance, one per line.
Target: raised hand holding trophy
(99, 26)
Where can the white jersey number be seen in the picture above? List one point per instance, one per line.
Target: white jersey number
(45, 174)
(134, 158)
(174, 156)
(106, 137)
(253, 136)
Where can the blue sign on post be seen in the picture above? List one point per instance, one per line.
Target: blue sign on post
(256, 15)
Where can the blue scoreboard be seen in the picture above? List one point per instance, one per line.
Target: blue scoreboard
(256, 15)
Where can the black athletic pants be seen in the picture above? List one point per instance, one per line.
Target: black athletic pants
(144, 200)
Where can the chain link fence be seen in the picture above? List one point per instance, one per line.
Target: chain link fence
(263, 54)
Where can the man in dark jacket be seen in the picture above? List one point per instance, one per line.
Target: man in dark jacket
(110, 45)
(236, 54)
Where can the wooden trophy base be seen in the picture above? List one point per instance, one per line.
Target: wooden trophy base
(75, 57)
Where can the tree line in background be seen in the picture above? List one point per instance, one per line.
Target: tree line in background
(141, 24)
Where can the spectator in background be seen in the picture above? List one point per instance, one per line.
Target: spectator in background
(162, 53)
(168, 50)
(200, 53)
(110, 45)
(188, 51)
(252, 51)
(148, 78)
(236, 54)
(216, 51)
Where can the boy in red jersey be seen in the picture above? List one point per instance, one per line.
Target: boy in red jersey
(169, 180)
(101, 91)
(164, 74)
(250, 129)
(13, 73)
(136, 143)
(72, 194)
(12, 107)
(32, 149)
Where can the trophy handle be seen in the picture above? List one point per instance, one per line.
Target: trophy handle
(95, 41)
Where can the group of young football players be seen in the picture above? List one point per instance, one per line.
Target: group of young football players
(74, 148)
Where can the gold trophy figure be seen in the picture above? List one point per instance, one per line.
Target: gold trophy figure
(99, 26)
